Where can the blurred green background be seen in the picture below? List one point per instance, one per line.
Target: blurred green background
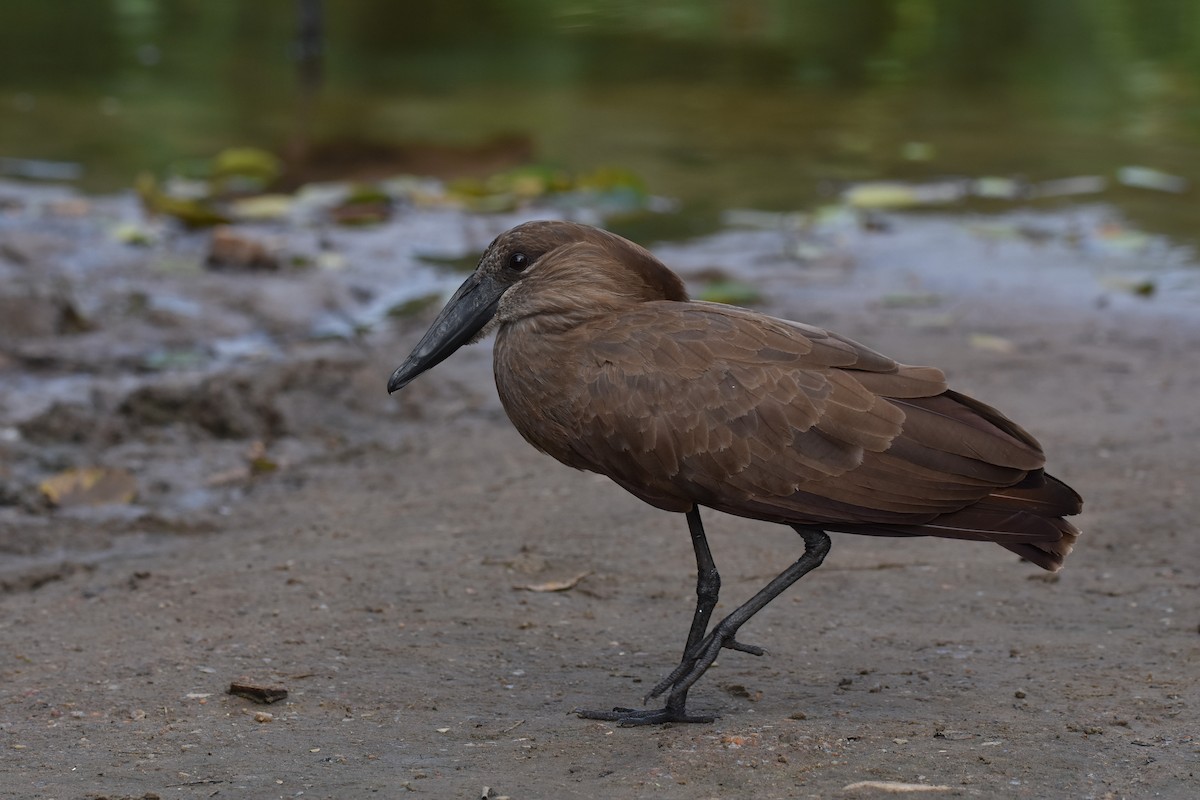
(736, 103)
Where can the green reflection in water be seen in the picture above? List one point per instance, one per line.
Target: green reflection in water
(763, 103)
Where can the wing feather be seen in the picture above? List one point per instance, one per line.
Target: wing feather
(684, 403)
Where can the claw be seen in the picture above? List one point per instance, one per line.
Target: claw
(752, 649)
(631, 717)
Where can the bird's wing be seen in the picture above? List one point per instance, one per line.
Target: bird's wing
(693, 402)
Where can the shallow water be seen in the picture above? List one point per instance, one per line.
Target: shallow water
(731, 105)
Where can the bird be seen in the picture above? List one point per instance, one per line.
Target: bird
(603, 362)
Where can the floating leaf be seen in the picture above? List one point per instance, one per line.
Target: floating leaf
(90, 486)
(364, 205)
(885, 194)
(246, 163)
(1067, 187)
(1116, 239)
(134, 234)
(1147, 178)
(733, 293)
(1139, 288)
(263, 207)
(607, 179)
(996, 188)
(193, 212)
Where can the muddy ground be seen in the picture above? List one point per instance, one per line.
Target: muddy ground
(374, 568)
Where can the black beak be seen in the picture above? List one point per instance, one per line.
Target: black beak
(466, 313)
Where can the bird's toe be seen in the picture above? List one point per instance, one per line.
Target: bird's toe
(632, 717)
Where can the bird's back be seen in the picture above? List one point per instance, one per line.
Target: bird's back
(693, 403)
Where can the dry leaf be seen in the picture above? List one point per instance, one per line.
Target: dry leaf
(896, 787)
(554, 586)
(992, 344)
(90, 486)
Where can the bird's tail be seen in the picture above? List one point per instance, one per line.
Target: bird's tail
(1026, 518)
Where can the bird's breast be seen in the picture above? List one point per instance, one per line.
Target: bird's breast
(539, 380)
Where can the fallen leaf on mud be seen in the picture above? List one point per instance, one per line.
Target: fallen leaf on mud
(233, 250)
(1138, 288)
(192, 212)
(992, 344)
(554, 586)
(736, 741)
(258, 460)
(263, 207)
(90, 486)
(953, 736)
(228, 476)
(134, 233)
(895, 787)
(259, 693)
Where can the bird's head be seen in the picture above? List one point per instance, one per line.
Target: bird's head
(560, 269)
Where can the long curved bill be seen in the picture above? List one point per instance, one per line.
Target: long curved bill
(465, 314)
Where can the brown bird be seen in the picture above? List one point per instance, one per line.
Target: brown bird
(602, 362)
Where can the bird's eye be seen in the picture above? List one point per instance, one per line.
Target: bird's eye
(517, 262)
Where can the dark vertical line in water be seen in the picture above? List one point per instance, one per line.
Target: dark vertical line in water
(309, 51)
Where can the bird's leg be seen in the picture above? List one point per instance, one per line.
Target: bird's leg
(702, 655)
(708, 587)
(708, 581)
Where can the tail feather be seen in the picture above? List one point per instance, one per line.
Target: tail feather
(1026, 518)
(1048, 555)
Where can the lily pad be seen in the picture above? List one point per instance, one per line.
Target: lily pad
(889, 194)
(1153, 179)
(245, 164)
(192, 212)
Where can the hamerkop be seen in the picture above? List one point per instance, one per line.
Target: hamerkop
(602, 362)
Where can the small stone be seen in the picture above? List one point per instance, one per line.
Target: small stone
(233, 250)
(263, 716)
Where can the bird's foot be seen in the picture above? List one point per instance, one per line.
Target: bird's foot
(630, 717)
(696, 662)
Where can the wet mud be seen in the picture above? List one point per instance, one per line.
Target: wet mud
(435, 597)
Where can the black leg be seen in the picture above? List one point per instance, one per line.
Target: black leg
(708, 581)
(701, 651)
(702, 656)
(708, 587)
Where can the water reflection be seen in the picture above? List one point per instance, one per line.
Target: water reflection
(736, 103)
